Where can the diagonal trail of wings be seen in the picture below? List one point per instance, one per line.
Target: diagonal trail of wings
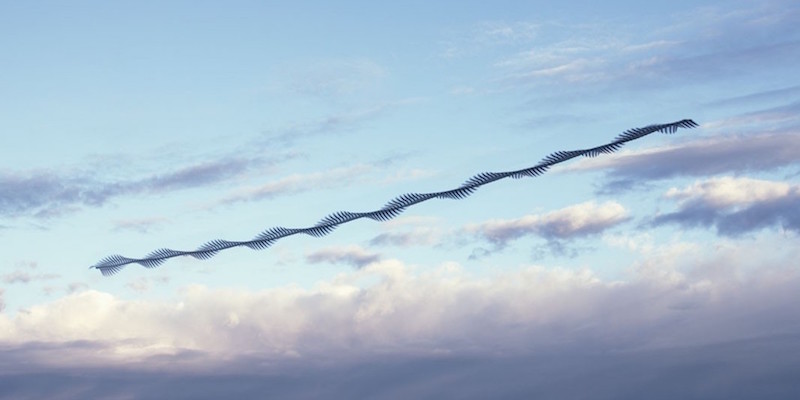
(113, 264)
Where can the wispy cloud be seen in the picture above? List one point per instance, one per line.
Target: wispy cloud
(75, 287)
(20, 276)
(785, 115)
(758, 98)
(706, 44)
(703, 157)
(576, 221)
(355, 256)
(416, 237)
(141, 225)
(487, 35)
(144, 283)
(194, 176)
(333, 124)
(735, 206)
(297, 183)
(46, 194)
(408, 231)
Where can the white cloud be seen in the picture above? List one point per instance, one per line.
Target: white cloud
(353, 255)
(729, 191)
(575, 221)
(414, 237)
(735, 206)
(388, 307)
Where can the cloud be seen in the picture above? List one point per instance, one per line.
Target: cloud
(297, 183)
(47, 194)
(504, 32)
(352, 255)
(75, 287)
(487, 35)
(699, 44)
(141, 225)
(406, 231)
(576, 221)
(416, 237)
(337, 123)
(20, 276)
(418, 330)
(759, 98)
(701, 157)
(193, 176)
(735, 206)
(43, 194)
(738, 370)
(141, 284)
(784, 115)
(27, 264)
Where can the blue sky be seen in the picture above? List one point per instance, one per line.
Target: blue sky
(133, 126)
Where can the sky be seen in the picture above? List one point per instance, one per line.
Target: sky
(665, 270)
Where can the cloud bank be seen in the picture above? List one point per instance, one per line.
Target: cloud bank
(735, 206)
(405, 330)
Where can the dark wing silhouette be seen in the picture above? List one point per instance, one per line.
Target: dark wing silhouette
(113, 264)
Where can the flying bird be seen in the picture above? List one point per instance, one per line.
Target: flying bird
(115, 263)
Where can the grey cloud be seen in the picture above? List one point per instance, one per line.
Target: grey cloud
(737, 339)
(758, 98)
(702, 44)
(761, 367)
(557, 248)
(141, 225)
(75, 287)
(330, 125)
(784, 116)
(576, 221)
(703, 157)
(42, 193)
(26, 277)
(46, 194)
(782, 212)
(28, 264)
(714, 64)
(194, 175)
(351, 255)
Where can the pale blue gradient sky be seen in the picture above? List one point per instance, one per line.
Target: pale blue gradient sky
(128, 127)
